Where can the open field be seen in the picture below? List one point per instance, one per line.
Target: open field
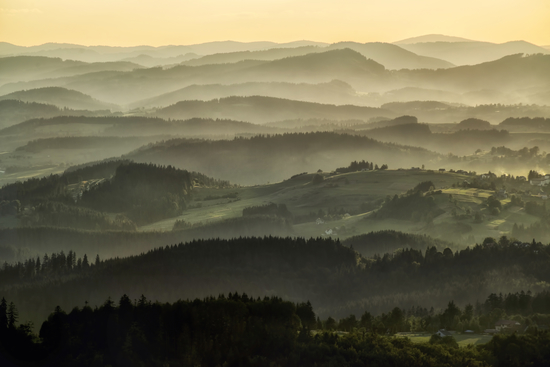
(348, 191)
(354, 194)
(463, 340)
(302, 197)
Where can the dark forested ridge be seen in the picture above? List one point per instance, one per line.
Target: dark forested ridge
(387, 242)
(334, 277)
(81, 197)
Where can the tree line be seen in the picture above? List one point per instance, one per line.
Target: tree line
(237, 330)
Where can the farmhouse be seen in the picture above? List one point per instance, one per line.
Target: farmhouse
(507, 326)
(542, 181)
(442, 333)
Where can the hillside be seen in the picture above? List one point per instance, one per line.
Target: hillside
(471, 53)
(60, 97)
(343, 64)
(392, 56)
(131, 126)
(13, 112)
(264, 55)
(334, 92)
(275, 157)
(117, 53)
(507, 74)
(266, 109)
(508, 79)
(267, 266)
(25, 68)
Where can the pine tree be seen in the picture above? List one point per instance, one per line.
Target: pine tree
(3, 315)
(13, 315)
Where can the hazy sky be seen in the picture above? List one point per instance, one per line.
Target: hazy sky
(161, 22)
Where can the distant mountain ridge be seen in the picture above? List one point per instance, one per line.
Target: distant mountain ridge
(472, 53)
(432, 38)
(115, 53)
(335, 92)
(389, 55)
(25, 68)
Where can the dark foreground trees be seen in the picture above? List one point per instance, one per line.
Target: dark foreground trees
(236, 330)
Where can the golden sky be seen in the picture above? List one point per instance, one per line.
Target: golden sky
(162, 22)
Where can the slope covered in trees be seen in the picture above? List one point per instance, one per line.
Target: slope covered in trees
(265, 109)
(60, 97)
(275, 157)
(335, 278)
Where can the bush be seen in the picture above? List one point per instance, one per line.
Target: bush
(448, 341)
(317, 179)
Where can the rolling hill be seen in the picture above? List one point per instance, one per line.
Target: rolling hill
(13, 112)
(131, 126)
(471, 53)
(60, 97)
(334, 92)
(266, 109)
(25, 68)
(116, 53)
(391, 56)
(275, 157)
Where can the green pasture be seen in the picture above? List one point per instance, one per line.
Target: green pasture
(463, 340)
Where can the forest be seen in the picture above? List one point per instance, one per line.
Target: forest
(239, 329)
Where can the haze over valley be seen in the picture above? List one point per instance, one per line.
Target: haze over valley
(334, 200)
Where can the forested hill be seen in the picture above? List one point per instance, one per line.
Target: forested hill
(143, 193)
(276, 157)
(388, 241)
(139, 126)
(260, 109)
(13, 112)
(332, 276)
(60, 97)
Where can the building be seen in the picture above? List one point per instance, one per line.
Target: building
(507, 326)
(442, 333)
(541, 181)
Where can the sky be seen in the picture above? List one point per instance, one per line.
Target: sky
(182, 22)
